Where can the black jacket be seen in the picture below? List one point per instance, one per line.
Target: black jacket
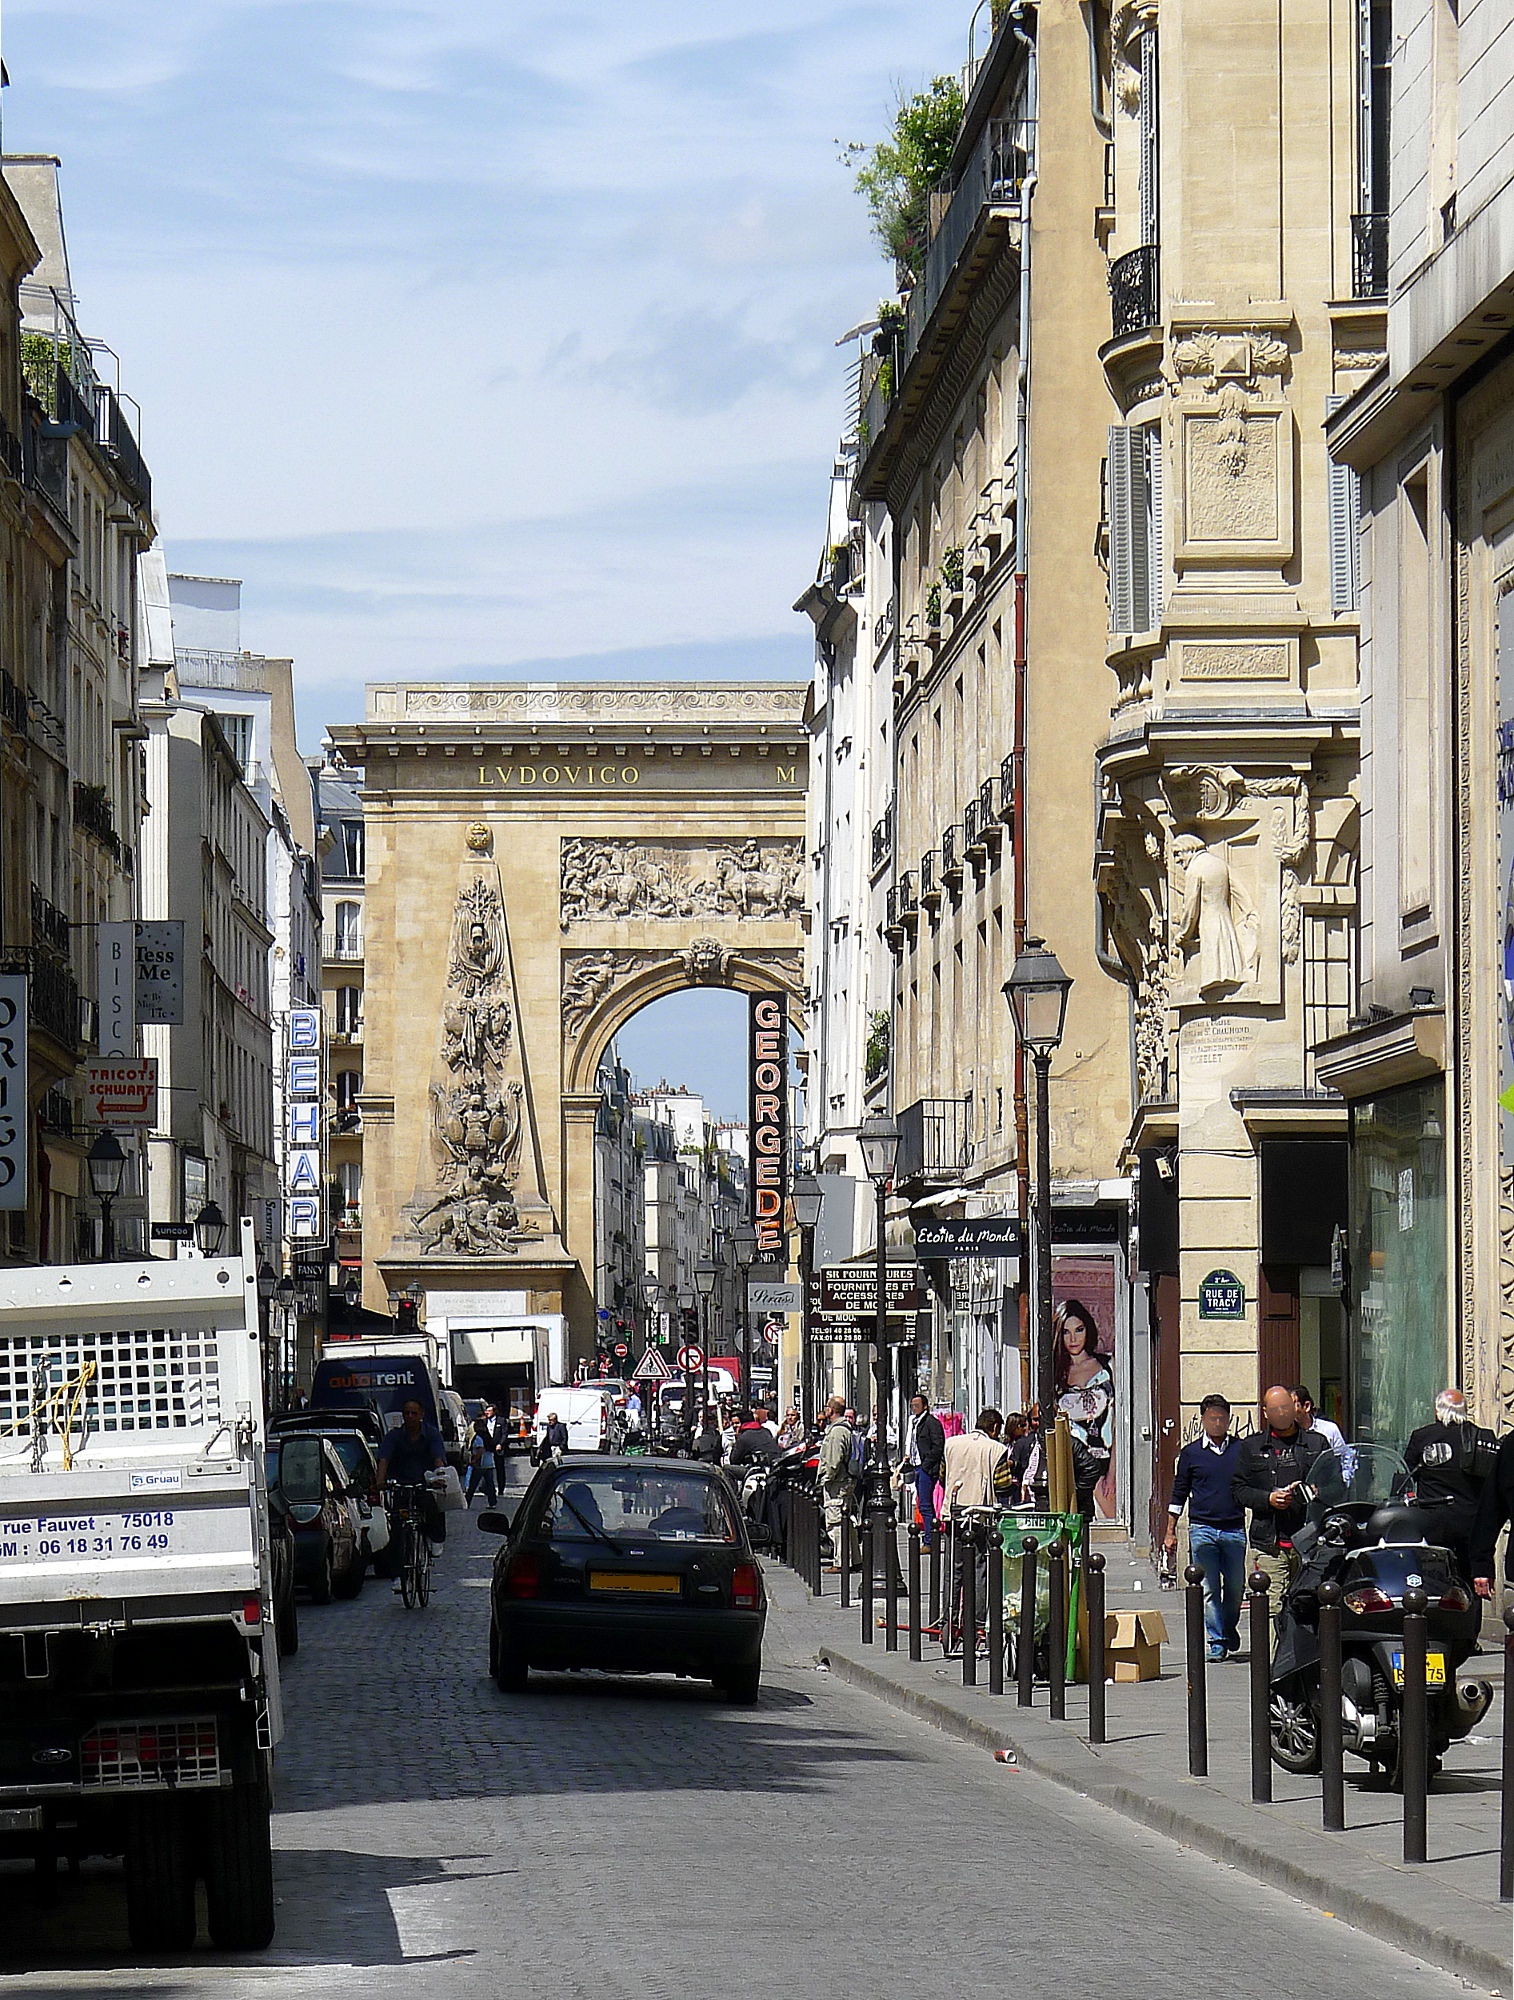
(708, 1444)
(1451, 1461)
(555, 1437)
(754, 1442)
(1494, 1508)
(1263, 1464)
(930, 1443)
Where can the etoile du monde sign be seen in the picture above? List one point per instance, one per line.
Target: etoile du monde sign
(768, 1122)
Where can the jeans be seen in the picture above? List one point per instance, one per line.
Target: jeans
(925, 1496)
(483, 1474)
(1221, 1554)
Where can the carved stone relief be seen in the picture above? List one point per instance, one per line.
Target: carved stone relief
(623, 880)
(1231, 475)
(1239, 356)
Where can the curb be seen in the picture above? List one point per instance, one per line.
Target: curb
(1363, 1911)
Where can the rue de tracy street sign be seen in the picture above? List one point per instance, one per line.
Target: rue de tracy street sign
(1222, 1296)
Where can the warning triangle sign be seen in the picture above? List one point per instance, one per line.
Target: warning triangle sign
(651, 1368)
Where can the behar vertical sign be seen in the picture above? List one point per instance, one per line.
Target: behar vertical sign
(768, 1101)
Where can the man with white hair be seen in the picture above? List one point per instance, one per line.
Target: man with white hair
(1450, 1461)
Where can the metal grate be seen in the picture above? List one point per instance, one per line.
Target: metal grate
(136, 1756)
(145, 1378)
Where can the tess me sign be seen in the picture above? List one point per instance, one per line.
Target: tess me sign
(768, 1096)
(1222, 1296)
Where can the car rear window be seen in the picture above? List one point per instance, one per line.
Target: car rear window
(650, 1504)
(302, 1471)
(353, 1454)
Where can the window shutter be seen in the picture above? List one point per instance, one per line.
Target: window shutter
(1150, 213)
(1126, 512)
(1345, 529)
(1154, 568)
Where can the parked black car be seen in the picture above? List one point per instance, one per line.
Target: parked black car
(358, 1450)
(637, 1565)
(286, 1624)
(312, 1485)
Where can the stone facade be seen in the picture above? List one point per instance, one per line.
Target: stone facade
(541, 862)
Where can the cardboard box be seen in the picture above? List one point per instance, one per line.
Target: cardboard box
(1133, 1644)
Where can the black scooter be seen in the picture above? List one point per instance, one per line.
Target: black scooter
(1365, 1533)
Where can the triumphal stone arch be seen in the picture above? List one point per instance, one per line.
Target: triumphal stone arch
(542, 862)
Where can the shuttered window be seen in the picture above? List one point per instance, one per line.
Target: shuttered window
(1135, 527)
(1345, 529)
(1150, 211)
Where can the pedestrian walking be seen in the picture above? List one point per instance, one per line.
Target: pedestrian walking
(708, 1446)
(924, 1454)
(1311, 1420)
(975, 1466)
(484, 1453)
(1216, 1523)
(833, 1473)
(1271, 1468)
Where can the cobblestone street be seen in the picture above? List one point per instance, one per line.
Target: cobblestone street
(598, 1838)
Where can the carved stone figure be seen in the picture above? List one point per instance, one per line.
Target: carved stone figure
(1218, 917)
(619, 880)
(586, 983)
(705, 961)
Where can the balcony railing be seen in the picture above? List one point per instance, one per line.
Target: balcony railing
(930, 878)
(92, 813)
(113, 434)
(883, 840)
(12, 457)
(14, 706)
(935, 1138)
(1135, 299)
(52, 992)
(1369, 256)
(972, 829)
(49, 925)
(347, 950)
(1006, 790)
(951, 856)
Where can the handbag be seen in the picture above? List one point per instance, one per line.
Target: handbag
(450, 1491)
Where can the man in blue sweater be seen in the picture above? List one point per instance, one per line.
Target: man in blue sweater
(1216, 1525)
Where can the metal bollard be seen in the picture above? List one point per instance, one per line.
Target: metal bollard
(844, 1557)
(995, 1609)
(935, 1575)
(891, 1585)
(1331, 1746)
(1414, 1723)
(1093, 1569)
(812, 1547)
(1056, 1665)
(914, 1590)
(867, 1581)
(1025, 1639)
(1198, 1688)
(1261, 1690)
(1506, 1807)
(967, 1562)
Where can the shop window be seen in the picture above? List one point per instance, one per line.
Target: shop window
(1398, 1357)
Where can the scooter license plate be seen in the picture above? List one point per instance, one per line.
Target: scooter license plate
(1435, 1670)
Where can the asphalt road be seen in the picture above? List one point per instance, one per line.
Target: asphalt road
(598, 1839)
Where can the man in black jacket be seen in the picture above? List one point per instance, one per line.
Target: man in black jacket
(1451, 1461)
(1270, 1470)
(1495, 1507)
(755, 1443)
(924, 1454)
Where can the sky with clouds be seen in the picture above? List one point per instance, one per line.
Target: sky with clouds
(482, 337)
(478, 337)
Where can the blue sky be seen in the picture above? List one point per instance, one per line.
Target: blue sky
(476, 337)
(482, 337)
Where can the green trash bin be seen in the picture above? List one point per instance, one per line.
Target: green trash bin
(1014, 1527)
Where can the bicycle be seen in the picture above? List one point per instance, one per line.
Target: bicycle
(407, 1530)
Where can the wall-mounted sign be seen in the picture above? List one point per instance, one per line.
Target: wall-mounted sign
(969, 1236)
(117, 951)
(768, 1101)
(852, 1290)
(304, 1128)
(173, 1232)
(1222, 1296)
(121, 1092)
(12, 1090)
(766, 1298)
(159, 985)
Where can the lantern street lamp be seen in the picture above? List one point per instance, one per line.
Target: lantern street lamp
(807, 1198)
(1037, 993)
(210, 1227)
(107, 1173)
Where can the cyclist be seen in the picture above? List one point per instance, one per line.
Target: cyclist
(407, 1456)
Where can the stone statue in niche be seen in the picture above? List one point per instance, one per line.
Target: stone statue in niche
(1218, 918)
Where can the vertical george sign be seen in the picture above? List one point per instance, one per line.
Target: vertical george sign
(768, 1105)
(304, 1128)
(118, 989)
(12, 1090)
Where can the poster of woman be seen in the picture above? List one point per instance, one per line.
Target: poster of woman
(1083, 1375)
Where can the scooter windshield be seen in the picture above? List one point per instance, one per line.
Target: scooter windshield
(1364, 1475)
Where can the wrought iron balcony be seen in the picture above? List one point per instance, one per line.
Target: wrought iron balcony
(113, 434)
(12, 457)
(49, 925)
(14, 706)
(1006, 790)
(1369, 256)
(92, 813)
(52, 992)
(951, 856)
(973, 845)
(883, 840)
(935, 1138)
(1135, 297)
(930, 879)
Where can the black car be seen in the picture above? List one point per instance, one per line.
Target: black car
(286, 1624)
(635, 1565)
(358, 1450)
(312, 1484)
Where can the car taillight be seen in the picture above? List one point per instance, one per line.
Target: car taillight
(524, 1579)
(745, 1585)
(1456, 1599)
(1367, 1598)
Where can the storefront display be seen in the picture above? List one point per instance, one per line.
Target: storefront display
(1399, 1356)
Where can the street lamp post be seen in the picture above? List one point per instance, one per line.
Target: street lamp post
(744, 1245)
(879, 1139)
(210, 1227)
(807, 1199)
(286, 1290)
(107, 1172)
(268, 1283)
(1037, 993)
(706, 1277)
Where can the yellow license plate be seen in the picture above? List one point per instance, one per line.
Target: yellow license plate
(655, 1586)
(1435, 1669)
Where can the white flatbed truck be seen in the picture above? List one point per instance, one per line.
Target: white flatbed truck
(139, 1683)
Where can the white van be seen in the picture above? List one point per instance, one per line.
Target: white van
(585, 1411)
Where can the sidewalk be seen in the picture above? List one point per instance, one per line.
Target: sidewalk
(1445, 1912)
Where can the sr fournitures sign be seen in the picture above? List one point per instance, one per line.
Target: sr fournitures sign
(768, 1101)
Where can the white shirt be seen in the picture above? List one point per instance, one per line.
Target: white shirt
(1330, 1432)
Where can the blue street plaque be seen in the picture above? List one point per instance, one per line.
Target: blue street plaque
(1222, 1296)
